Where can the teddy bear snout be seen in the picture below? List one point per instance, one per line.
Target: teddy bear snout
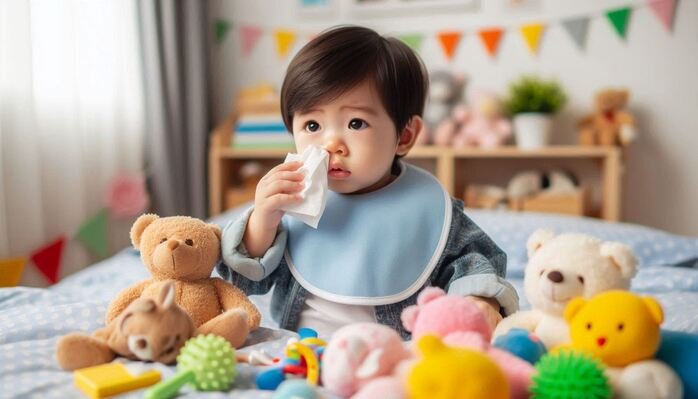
(555, 276)
(140, 347)
(172, 244)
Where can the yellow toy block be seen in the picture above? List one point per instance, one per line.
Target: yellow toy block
(111, 379)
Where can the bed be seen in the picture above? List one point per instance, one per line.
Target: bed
(31, 320)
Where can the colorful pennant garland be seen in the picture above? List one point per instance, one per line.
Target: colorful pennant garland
(532, 33)
(48, 259)
(449, 42)
(93, 234)
(220, 30)
(576, 27)
(11, 271)
(284, 40)
(414, 40)
(665, 11)
(490, 39)
(619, 20)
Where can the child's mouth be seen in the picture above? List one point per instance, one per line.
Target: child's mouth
(338, 173)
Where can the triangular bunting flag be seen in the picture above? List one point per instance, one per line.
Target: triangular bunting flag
(249, 36)
(220, 30)
(48, 259)
(619, 19)
(577, 29)
(490, 39)
(449, 42)
(414, 40)
(93, 233)
(664, 10)
(11, 271)
(531, 34)
(284, 40)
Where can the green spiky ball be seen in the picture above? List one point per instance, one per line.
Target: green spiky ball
(570, 375)
(212, 360)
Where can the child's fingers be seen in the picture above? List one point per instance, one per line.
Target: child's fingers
(287, 176)
(278, 200)
(288, 166)
(281, 186)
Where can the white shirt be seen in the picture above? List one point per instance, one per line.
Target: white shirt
(326, 317)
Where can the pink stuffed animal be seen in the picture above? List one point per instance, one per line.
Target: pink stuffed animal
(461, 323)
(479, 125)
(359, 353)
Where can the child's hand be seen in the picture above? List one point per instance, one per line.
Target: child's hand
(490, 307)
(279, 187)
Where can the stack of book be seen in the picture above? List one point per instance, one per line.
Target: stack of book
(261, 131)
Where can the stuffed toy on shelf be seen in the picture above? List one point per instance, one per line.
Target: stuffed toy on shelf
(561, 268)
(610, 124)
(151, 330)
(481, 123)
(445, 92)
(185, 250)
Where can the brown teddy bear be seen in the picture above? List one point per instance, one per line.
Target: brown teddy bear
(610, 124)
(185, 250)
(147, 330)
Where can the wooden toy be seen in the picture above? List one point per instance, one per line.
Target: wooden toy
(112, 379)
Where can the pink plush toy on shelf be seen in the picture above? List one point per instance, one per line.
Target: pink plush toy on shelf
(461, 323)
(481, 124)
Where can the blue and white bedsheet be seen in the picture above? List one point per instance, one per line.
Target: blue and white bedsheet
(32, 320)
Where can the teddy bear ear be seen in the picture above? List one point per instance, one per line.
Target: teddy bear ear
(167, 295)
(216, 230)
(537, 239)
(429, 294)
(621, 256)
(654, 308)
(139, 227)
(573, 307)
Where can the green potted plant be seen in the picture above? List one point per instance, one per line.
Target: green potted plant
(531, 102)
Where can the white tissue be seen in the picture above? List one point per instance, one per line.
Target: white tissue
(315, 162)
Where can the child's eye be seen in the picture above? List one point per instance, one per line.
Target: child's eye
(311, 126)
(357, 124)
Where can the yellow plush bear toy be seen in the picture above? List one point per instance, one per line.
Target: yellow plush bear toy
(185, 250)
(622, 330)
(453, 373)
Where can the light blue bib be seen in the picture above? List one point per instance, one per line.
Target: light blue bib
(375, 248)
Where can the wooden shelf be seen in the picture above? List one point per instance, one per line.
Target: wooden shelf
(447, 164)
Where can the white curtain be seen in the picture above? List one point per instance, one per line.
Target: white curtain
(71, 117)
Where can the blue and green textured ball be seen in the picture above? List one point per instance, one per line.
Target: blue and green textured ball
(570, 375)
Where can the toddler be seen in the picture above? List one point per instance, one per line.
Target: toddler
(389, 229)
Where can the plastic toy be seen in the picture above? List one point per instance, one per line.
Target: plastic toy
(680, 351)
(303, 359)
(621, 329)
(296, 389)
(446, 372)
(570, 375)
(522, 344)
(112, 379)
(206, 361)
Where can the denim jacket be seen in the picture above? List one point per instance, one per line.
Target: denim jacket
(471, 264)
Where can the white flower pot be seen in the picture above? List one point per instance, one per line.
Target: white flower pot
(532, 129)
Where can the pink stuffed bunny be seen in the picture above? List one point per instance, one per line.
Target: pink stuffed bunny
(485, 126)
(461, 323)
(359, 353)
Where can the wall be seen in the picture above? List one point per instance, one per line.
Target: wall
(661, 182)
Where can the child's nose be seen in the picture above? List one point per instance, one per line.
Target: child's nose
(335, 145)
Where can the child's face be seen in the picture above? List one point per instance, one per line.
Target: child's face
(359, 135)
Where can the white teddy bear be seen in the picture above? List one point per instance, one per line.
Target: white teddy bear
(561, 268)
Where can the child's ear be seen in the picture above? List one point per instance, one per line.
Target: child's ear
(409, 134)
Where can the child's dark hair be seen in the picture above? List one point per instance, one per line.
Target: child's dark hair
(342, 57)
